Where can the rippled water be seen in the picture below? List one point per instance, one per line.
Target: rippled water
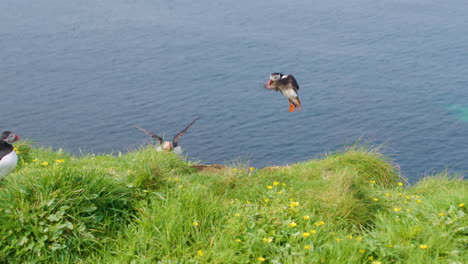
(81, 74)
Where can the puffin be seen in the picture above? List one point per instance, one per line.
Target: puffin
(166, 144)
(287, 85)
(8, 157)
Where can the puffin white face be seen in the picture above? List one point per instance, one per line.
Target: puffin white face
(275, 76)
(167, 145)
(9, 137)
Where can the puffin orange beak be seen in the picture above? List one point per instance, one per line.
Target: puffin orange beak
(270, 82)
(16, 137)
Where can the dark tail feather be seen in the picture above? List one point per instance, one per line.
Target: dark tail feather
(298, 103)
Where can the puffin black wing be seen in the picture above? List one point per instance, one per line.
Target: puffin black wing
(181, 133)
(5, 139)
(158, 138)
(290, 82)
(5, 149)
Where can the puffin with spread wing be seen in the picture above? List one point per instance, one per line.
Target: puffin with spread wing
(166, 144)
(287, 85)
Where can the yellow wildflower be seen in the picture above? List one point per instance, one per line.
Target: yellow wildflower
(45, 163)
(319, 223)
(397, 209)
(280, 192)
(267, 239)
(307, 247)
(292, 224)
(407, 197)
(284, 184)
(372, 182)
(237, 214)
(195, 223)
(275, 183)
(362, 251)
(375, 199)
(234, 170)
(370, 258)
(418, 201)
(376, 262)
(400, 194)
(294, 204)
(338, 239)
(306, 234)
(248, 202)
(441, 214)
(389, 246)
(60, 161)
(200, 253)
(400, 184)
(266, 200)
(260, 259)
(238, 240)
(359, 239)
(461, 205)
(306, 217)
(349, 236)
(269, 187)
(313, 231)
(251, 168)
(423, 246)
(388, 194)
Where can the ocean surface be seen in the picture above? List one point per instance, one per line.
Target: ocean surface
(79, 75)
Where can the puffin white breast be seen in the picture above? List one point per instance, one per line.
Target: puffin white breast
(8, 164)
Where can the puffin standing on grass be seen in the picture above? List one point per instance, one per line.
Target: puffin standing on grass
(169, 145)
(287, 85)
(8, 157)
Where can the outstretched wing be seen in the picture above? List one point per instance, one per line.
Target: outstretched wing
(290, 82)
(181, 133)
(158, 138)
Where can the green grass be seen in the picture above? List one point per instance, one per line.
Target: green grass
(153, 207)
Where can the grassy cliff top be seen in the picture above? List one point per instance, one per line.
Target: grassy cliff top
(146, 206)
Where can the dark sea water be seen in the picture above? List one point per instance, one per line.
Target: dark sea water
(79, 75)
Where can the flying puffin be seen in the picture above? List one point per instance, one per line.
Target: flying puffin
(8, 157)
(287, 85)
(169, 145)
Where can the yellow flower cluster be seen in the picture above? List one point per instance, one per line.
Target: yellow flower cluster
(319, 223)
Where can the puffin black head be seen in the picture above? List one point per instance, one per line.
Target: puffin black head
(9, 137)
(274, 77)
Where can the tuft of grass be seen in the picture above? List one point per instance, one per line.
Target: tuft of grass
(49, 212)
